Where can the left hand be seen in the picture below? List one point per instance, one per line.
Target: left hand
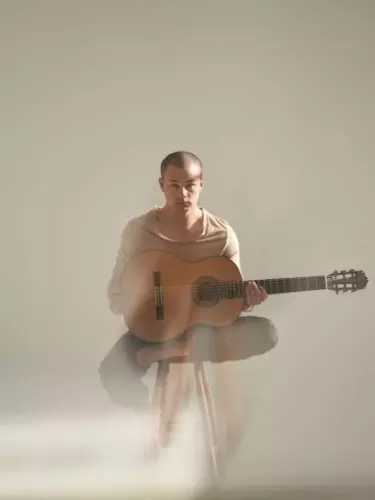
(255, 295)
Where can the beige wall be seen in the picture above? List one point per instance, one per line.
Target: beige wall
(278, 100)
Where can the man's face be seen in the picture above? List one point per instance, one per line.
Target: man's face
(182, 186)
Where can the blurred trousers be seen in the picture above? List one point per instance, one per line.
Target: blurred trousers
(121, 374)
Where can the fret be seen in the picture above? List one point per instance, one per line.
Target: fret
(232, 290)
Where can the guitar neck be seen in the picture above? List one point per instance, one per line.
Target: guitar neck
(291, 285)
(272, 286)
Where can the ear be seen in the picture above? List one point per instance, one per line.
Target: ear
(161, 183)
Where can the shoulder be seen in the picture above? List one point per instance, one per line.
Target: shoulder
(221, 228)
(219, 223)
(136, 224)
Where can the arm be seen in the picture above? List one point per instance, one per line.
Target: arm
(127, 246)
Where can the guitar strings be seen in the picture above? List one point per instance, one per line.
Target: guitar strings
(240, 285)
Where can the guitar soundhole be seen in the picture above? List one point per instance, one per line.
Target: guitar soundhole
(206, 293)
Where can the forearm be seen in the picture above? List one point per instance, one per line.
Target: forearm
(115, 301)
(114, 291)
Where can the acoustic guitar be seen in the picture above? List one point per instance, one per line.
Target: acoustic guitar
(165, 295)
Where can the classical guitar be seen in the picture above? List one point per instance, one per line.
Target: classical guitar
(165, 295)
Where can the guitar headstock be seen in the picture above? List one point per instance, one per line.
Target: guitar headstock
(346, 281)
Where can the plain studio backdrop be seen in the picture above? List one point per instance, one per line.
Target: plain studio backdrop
(277, 98)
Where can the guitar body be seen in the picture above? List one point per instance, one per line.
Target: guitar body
(165, 295)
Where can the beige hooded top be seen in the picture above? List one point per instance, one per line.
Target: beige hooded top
(141, 233)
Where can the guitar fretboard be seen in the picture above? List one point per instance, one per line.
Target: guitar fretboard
(236, 289)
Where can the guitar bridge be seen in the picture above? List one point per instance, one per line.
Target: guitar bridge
(159, 307)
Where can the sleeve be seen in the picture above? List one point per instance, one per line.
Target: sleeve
(125, 251)
(232, 247)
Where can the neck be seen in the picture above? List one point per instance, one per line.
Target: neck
(179, 216)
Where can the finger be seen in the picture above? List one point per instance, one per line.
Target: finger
(264, 294)
(253, 288)
(254, 294)
(260, 294)
(250, 292)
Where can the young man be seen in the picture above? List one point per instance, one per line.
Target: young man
(182, 227)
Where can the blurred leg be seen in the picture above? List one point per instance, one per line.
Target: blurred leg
(248, 336)
(121, 374)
